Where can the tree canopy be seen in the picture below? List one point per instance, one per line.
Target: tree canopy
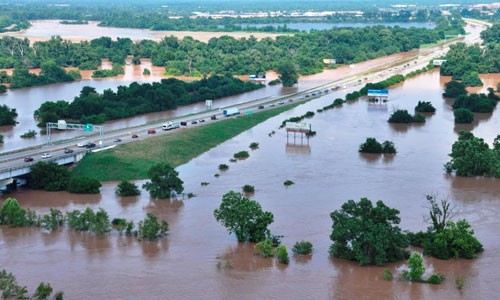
(164, 180)
(244, 217)
(367, 234)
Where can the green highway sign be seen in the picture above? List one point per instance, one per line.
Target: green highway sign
(88, 127)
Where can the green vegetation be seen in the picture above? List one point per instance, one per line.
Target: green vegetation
(288, 73)
(463, 116)
(274, 82)
(3, 89)
(223, 167)
(1, 139)
(248, 188)
(244, 217)
(92, 107)
(282, 254)
(164, 181)
(88, 220)
(463, 61)
(367, 234)
(387, 274)
(151, 229)
(7, 115)
(29, 134)
(425, 107)
(460, 282)
(241, 155)
(83, 185)
(308, 114)
(371, 145)
(445, 239)
(146, 72)
(126, 189)
(254, 146)
(50, 73)
(303, 51)
(417, 269)
(133, 160)
(14, 215)
(48, 176)
(103, 73)
(288, 182)
(336, 103)
(53, 220)
(453, 89)
(471, 79)
(265, 248)
(302, 248)
(479, 103)
(10, 289)
(472, 156)
(403, 116)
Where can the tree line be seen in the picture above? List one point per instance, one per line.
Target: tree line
(465, 62)
(92, 107)
(224, 54)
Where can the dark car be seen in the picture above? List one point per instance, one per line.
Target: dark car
(214, 117)
(134, 136)
(184, 123)
(68, 150)
(151, 131)
(194, 122)
(117, 140)
(261, 106)
(90, 145)
(28, 159)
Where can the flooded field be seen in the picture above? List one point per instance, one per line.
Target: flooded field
(199, 260)
(42, 30)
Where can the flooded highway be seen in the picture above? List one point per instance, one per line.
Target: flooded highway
(199, 260)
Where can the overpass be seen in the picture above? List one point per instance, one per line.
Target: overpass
(9, 173)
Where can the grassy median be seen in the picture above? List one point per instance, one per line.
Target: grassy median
(133, 160)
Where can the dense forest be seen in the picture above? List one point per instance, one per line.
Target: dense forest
(92, 107)
(464, 62)
(225, 54)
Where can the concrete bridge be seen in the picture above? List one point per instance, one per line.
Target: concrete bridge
(8, 174)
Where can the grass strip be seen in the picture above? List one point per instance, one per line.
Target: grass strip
(132, 160)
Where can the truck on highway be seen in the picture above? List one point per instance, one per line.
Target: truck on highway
(170, 125)
(231, 111)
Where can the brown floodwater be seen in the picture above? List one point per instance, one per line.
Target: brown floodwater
(27, 100)
(199, 260)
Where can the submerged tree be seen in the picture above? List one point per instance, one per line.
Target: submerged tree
(367, 234)
(244, 217)
(164, 181)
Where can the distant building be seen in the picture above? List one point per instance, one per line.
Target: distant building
(329, 61)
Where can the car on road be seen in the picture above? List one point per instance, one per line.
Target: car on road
(271, 105)
(117, 140)
(81, 145)
(151, 131)
(134, 136)
(28, 159)
(90, 145)
(201, 120)
(290, 100)
(183, 123)
(68, 150)
(261, 107)
(281, 102)
(46, 155)
(213, 117)
(194, 122)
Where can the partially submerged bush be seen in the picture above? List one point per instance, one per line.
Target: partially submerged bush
(302, 248)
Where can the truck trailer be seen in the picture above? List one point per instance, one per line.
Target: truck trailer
(231, 111)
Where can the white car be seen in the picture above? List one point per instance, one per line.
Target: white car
(81, 145)
(46, 155)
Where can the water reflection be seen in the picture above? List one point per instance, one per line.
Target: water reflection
(297, 148)
(243, 257)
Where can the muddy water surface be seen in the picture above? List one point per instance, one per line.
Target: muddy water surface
(199, 260)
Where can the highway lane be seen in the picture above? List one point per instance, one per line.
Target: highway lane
(380, 72)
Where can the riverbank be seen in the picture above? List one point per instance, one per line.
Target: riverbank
(133, 160)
